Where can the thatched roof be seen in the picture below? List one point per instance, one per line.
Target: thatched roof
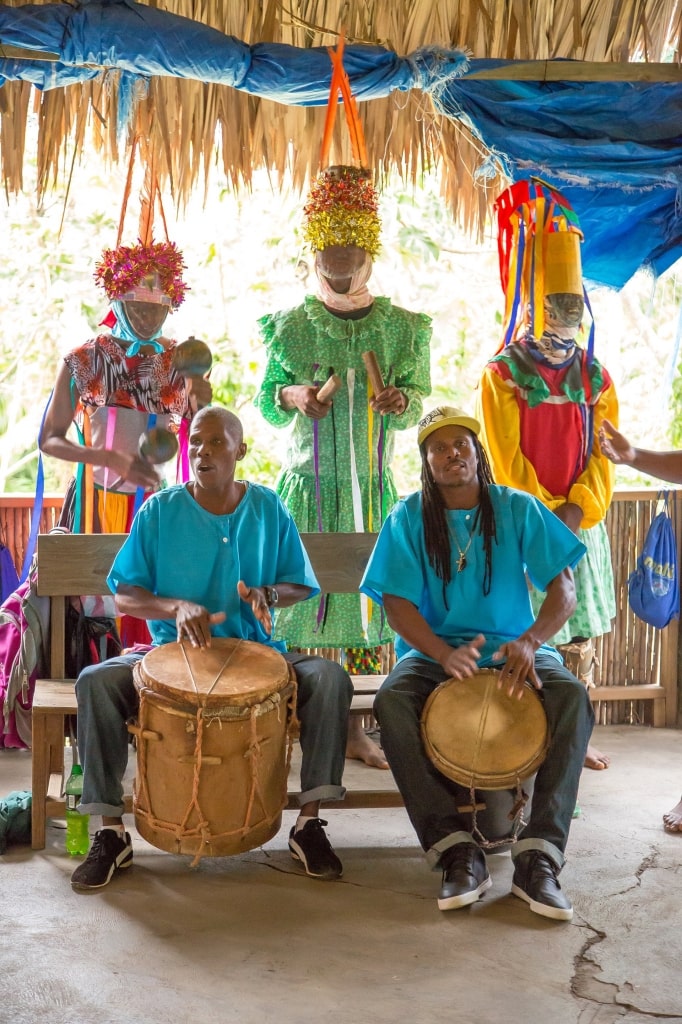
(186, 125)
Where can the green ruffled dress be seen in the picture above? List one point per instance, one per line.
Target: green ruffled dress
(324, 458)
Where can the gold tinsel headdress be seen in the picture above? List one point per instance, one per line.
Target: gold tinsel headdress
(342, 209)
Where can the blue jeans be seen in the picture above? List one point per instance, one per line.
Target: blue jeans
(429, 795)
(107, 699)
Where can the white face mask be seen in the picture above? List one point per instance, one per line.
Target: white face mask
(358, 295)
(558, 341)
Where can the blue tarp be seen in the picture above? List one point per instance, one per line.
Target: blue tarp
(146, 41)
(614, 148)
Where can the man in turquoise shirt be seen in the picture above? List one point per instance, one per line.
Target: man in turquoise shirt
(450, 567)
(213, 557)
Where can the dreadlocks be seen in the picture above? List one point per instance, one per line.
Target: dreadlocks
(436, 532)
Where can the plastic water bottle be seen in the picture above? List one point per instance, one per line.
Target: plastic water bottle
(77, 838)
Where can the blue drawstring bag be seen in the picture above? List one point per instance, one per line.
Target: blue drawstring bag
(653, 588)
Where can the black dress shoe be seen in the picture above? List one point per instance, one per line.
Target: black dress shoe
(465, 876)
(535, 881)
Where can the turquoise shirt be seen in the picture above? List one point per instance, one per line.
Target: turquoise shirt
(177, 549)
(530, 539)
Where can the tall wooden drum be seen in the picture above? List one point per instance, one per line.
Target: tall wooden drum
(212, 746)
(481, 738)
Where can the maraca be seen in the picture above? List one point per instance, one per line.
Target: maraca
(329, 388)
(158, 445)
(192, 358)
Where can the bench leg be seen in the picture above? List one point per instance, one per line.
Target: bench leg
(40, 774)
(47, 750)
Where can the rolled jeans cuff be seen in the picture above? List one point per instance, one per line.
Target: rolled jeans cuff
(106, 810)
(434, 855)
(554, 854)
(322, 793)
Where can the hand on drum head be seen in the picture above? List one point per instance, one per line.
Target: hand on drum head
(194, 623)
(519, 667)
(462, 662)
(255, 596)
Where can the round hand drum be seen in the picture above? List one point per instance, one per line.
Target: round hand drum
(480, 737)
(212, 746)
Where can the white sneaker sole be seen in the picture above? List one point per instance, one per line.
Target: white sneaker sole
(465, 898)
(298, 855)
(544, 909)
(127, 856)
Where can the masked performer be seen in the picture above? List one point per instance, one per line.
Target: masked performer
(337, 473)
(543, 399)
(118, 386)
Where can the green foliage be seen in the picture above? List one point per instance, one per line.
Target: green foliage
(417, 243)
(676, 407)
(235, 379)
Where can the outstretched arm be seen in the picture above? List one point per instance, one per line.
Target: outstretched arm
(616, 447)
(193, 621)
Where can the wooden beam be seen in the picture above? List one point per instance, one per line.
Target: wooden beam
(581, 71)
(637, 691)
(19, 53)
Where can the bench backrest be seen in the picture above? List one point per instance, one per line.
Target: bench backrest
(79, 563)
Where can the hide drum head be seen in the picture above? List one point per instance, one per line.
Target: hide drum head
(480, 737)
(229, 672)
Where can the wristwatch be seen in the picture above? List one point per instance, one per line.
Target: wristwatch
(271, 596)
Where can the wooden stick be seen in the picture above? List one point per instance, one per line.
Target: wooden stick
(329, 388)
(373, 371)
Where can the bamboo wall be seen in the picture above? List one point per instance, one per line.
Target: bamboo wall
(632, 654)
(15, 521)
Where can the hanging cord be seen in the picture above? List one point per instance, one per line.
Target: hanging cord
(340, 86)
(37, 512)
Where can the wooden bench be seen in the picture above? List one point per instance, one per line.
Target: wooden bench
(79, 564)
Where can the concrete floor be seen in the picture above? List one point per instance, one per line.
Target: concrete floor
(251, 940)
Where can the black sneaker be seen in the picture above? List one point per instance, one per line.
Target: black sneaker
(465, 876)
(311, 847)
(535, 881)
(108, 854)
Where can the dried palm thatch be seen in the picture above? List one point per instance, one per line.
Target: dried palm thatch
(189, 125)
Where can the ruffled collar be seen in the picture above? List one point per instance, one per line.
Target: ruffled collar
(528, 375)
(337, 327)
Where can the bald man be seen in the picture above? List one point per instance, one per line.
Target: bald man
(210, 558)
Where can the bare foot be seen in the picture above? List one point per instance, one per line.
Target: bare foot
(672, 821)
(361, 748)
(596, 760)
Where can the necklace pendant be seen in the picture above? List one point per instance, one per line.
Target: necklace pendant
(461, 562)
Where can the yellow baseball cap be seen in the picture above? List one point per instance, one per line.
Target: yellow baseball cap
(445, 416)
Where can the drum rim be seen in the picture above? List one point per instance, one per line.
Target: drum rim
(144, 679)
(475, 779)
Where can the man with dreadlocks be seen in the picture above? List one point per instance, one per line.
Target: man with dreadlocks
(337, 475)
(449, 567)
